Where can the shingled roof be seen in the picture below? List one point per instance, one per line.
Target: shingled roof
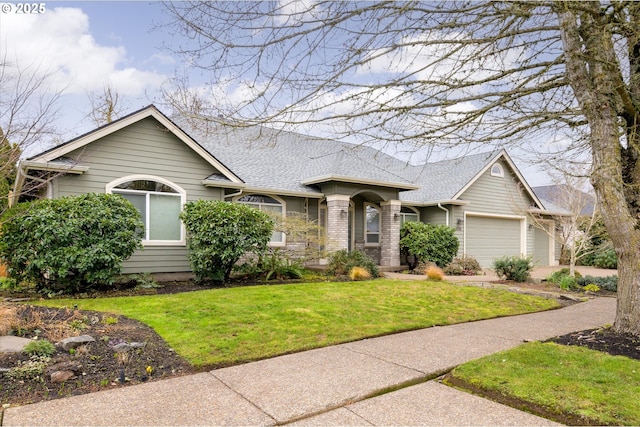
(258, 157)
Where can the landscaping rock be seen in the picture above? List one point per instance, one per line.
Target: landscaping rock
(73, 342)
(70, 365)
(11, 344)
(124, 347)
(61, 376)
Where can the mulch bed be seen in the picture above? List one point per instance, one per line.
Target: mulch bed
(97, 365)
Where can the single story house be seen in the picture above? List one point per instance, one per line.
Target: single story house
(360, 195)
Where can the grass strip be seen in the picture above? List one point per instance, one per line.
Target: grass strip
(573, 385)
(221, 327)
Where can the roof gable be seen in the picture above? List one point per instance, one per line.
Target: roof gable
(60, 151)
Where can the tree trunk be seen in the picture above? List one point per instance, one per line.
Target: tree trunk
(594, 73)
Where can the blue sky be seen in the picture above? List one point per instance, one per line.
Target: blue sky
(87, 46)
(92, 44)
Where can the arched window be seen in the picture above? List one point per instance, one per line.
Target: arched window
(496, 170)
(408, 214)
(372, 225)
(159, 203)
(270, 205)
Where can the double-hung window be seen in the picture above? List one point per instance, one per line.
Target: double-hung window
(159, 203)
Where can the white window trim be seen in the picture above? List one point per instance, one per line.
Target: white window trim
(181, 193)
(497, 170)
(284, 212)
(402, 214)
(366, 233)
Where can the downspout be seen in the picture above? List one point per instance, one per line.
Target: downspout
(447, 211)
(233, 194)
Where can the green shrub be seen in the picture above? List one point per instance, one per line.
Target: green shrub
(31, 369)
(601, 257)
(608, 283)
(341, 262)
(43, 348)
(71, 244)
(220, 233)
(463, 266)
(606, 259)
(274, 264)
(568, 283)
(428, 242)
(592, 287)
(556, 276)
(8, 284)
(515, 268)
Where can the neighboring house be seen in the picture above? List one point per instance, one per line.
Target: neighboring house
(575, 209)
(557, 197)
(360, 195)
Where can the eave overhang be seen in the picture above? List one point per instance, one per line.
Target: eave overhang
(402, 186)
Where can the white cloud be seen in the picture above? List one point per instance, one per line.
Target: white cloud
(295, 11)
(60, 41)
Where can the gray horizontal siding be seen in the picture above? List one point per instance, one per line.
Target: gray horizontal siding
(143, 148)
(158, 259)
(496, 195)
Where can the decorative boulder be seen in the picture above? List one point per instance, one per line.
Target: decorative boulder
(73, 342)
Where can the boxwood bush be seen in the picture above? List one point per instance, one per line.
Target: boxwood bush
(220, 233)
(71, 244)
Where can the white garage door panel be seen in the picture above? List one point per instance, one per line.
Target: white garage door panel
(491, 238)
(541, 247)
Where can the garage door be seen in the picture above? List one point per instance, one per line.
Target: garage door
(491, 238)
(541, 247)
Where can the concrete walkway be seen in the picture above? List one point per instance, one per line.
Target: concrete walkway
(338, 385)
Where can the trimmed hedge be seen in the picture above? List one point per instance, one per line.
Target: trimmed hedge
(428, 243)
(220, 233)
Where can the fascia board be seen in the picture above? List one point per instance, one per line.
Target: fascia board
(352, 180)
(277, 192)
(52, 167)
(436, 203)
(222, 184)
(549, 213)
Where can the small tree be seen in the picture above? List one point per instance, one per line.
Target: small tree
(219, 233)
(71, 244)
(428, 243)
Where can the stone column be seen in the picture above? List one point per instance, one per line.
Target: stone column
(390, 233)
(337, 222)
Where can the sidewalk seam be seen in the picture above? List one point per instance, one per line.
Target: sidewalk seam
(275, 421)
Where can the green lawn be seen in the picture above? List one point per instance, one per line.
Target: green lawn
(226, 326)
(564, 380)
